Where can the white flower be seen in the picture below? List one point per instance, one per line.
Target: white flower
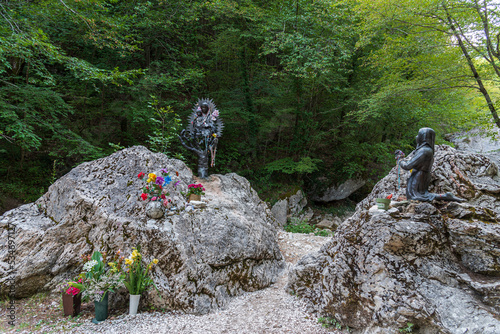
(89, 265)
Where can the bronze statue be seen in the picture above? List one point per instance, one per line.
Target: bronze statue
(421, 161)
(202, 134)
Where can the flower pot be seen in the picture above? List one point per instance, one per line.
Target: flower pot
(383, 203)
(71, 304)
(193, 197)
(134, 304)
(101, 309)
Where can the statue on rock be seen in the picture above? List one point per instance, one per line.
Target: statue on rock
(420, 161)
(202, 134)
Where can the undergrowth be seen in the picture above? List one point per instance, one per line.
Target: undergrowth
(302, 226)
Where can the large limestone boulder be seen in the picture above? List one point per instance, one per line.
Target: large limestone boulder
(478, 141)
(436, 265)
(336, 192)
(205, 255)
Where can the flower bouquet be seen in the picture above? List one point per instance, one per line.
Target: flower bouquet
(195, 191)
(137, 279)
(155, 188)
(99, 278)
(71, 297)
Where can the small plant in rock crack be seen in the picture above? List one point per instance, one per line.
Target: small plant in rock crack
(408, 329)
(329, 322)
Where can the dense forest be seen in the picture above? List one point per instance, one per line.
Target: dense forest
(306, 88)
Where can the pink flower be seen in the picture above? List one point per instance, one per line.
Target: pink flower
(153, 199)
(73, 291)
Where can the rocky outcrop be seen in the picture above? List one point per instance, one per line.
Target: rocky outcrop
(338, 192)
(478, 141)
(436, 265)
(289, 207)
(205, 254)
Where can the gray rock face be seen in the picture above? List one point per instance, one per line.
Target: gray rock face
(296, 203)
(339, 192)
(436, 265)
(154, 210)
(478, 141)
(289, 207)
(205, 255)
(280, 212)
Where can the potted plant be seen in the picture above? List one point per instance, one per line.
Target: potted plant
(98, 279)
(383, 203)
(72, 298)
(137, 279)
(195, 191)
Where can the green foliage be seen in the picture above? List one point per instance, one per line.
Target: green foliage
(323, 233)
(330, 88)
(408, 329)
(166, 124)
(288, 166)
(298, 226)
(302, 226)
(329, 322)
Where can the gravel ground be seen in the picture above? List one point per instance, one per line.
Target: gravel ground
(271, 310)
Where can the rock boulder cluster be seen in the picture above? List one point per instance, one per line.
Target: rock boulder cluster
(206, 254)
(435, 265)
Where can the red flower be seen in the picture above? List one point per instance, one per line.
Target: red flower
(144, 196)
(162, 196)
(141, 174)
(389, 197)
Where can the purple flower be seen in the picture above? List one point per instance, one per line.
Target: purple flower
(164, 171)
(159, 180)
(101, 292)
(177, 183)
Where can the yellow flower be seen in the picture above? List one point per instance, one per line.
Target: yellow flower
(128, 261)
(135, 254)
(155, 261)
(152, 176)
(215, 135)
(148, 180)
(112, 264)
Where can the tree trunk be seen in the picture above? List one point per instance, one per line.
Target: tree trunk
(473, 69)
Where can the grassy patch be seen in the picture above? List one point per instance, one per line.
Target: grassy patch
(302, 226)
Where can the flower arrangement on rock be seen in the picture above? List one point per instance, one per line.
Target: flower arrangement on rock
(155, 188)
(195, 191)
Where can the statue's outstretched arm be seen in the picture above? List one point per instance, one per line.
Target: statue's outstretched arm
(195, 150)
